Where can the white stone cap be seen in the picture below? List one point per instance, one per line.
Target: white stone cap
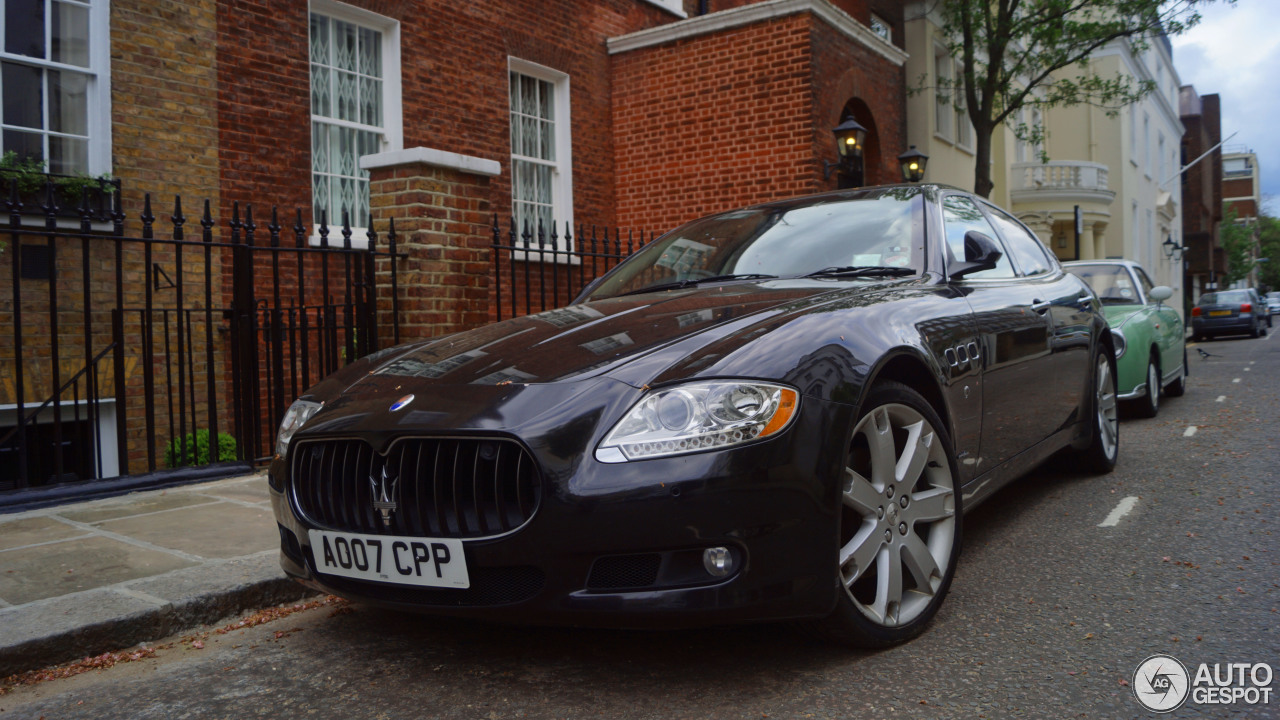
(430, 156)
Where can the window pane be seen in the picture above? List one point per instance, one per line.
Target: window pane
(68, 103)
(23, 95)
(1026, 248)
(319, 147)
(346, 93)
(370, 101)
(26, 145)
(961, 215)
(548, 141)
(70, 25)
(319, 39)
(344, 45)
(24, 27)
(320, 95)
(68, 156)
(547, 98)
(370, 52)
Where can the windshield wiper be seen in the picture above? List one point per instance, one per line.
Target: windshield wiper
(691, 282)
(862, 271)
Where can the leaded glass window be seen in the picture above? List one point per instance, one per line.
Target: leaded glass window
(347, 116)
(533, 151)
(47, 78)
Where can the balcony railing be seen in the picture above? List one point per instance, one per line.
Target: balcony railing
(1060, 175)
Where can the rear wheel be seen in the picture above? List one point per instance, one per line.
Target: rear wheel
(1149, 405)
(1104, 445)
(1179, 386)
(1254, 330)
(899, 522)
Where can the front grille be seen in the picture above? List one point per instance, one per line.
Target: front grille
(440, 487)
(624, 571)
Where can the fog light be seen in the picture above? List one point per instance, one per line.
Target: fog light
(718, 561)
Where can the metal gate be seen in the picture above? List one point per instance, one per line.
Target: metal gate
(139, 358)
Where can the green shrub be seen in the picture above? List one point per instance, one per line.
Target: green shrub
(194, 449)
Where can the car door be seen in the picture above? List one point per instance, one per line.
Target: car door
(1013, 334)
(1167, 326)
(1067, 305)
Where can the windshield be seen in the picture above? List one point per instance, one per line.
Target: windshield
(846, 235)
(1228, 297)
(1112, 283)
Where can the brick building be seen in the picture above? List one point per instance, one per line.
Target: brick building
(573, 113)
(1201, 191)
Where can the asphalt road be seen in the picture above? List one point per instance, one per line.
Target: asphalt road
(1049, 616)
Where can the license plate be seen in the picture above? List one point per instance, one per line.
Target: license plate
(1219, 313)
(427, 562)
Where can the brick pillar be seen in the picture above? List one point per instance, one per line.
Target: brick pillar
(440, 203)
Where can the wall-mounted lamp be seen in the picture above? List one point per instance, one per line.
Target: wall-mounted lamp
(913, 162)
(850, 137)
(1171, 247)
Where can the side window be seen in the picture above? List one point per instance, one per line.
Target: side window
(960, 215)
(1030, 253)
(1145, 282)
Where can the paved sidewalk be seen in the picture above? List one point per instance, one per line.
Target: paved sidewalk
(85, 578)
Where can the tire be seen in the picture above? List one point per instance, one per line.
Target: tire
(1254, 331)
(1179, 386)
(1104, 440)
(899, 533)
(1148, 406)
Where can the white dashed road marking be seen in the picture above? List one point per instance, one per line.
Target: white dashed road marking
(1190, 431)
(1235, 380)
(1124, 508)
(1221, 398)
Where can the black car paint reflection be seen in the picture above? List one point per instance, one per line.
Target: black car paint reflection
(1008, 364)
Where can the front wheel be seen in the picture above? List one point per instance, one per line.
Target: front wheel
(899, 522)
(1149, 405)
(1104, 444)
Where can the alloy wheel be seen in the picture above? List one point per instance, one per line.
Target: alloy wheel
(899, 525)
(1105, 404)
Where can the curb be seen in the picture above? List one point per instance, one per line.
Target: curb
(123, 617)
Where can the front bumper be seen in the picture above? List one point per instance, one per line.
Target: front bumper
(620, 544)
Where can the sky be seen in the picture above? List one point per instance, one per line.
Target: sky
(1235, 52)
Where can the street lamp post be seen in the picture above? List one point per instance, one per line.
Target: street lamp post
(913, 163)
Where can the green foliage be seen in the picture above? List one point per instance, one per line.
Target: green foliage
(32, 180)
(1015, 54)
(194, 449)
(1269, 242)
(1238, 241)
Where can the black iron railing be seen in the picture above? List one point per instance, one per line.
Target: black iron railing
(130, 353)
(537, 269)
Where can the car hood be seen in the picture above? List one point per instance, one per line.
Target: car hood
(505, 373)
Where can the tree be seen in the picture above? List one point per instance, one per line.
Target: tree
(1012, 53)
(1238, 241)
(1269, 245)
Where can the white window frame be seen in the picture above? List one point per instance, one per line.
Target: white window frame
(98, 87)
(675, 7)
(1133, 136)
(562, 166)
(392, 102)
(943, 114)
(1146, 143)
(964, 128)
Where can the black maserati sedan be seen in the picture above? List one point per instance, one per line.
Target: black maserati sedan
(774, 413)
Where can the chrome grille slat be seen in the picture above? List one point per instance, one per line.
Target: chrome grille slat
(447, 487)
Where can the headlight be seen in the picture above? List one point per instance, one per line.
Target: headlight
(707, 415)
(1117, 339)
(299, 412)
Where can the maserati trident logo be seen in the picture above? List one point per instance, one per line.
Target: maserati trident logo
(384, 493)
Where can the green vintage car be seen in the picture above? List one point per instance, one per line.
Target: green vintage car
(1151, 353)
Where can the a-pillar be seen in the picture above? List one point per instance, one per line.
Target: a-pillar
(440, 203)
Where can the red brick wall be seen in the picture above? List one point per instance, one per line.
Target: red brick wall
(713, 122)
(744, 116)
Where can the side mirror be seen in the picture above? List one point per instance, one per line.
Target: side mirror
(980, 253)
(1160, 293)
